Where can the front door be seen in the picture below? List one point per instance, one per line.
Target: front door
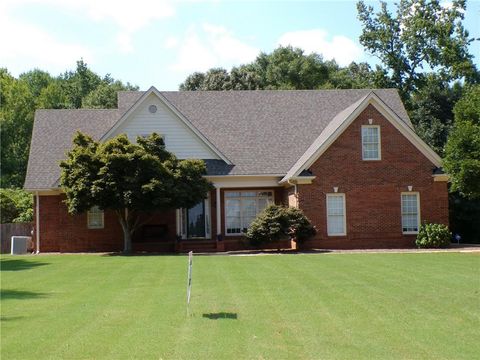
(196, 221)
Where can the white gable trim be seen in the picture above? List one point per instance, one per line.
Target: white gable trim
(175, 111)
(342, 124)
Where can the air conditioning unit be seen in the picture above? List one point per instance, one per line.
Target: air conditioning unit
(19, 244)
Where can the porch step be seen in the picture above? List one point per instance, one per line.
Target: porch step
(197, 246)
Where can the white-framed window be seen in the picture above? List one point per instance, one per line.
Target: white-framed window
(410, 212)
(195, 222)
(336, 218)
(371, 145)
(95, 218)
(241, 207)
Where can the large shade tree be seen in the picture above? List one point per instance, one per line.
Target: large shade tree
(418, 37)
(462, 162)
(462, 153)
(132, 179)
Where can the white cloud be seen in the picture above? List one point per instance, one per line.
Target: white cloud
(171, 42)
(210, 46)
(24, 44)
(126, 15)
(124, 42)
(341, 48)
(129, 16)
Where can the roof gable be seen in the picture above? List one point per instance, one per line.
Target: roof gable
(181, 136)
(341, 122)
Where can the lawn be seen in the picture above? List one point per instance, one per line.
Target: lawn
(243, 307)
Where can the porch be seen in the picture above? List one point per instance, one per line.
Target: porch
(216, 223)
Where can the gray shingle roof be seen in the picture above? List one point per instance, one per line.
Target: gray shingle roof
(261, 132)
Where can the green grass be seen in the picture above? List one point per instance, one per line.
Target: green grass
(251, 307)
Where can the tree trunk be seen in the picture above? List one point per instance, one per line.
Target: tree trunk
(130, 221)
(127, 241)
(127, 232)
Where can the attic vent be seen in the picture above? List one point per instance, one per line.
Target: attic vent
(152, 109)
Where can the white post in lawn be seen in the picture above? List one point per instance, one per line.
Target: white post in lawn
(189, 280)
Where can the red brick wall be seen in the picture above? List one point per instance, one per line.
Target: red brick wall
(62, 232)
(372, 188)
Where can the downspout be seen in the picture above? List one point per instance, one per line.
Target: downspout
(37, 221)
(294, 186)
(295, 191)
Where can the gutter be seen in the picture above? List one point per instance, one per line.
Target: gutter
(289, 181)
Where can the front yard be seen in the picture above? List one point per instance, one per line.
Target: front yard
(243, 307)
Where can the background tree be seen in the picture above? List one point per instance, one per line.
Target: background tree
(16, 205)
(36, 80)
(79, 83)
(462, 162)
(16, 119)
(193, 82)
(285, 68)
(422, 35)
(104, 96)
(290, 68)
(53, 97)
(216, 79)
(131, 179)
(432, 111)
(462, 153)
(37, 89)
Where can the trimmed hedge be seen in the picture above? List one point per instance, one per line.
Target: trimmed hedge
(278, 223)
(433, 236)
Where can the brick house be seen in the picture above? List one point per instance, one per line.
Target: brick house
(349, 159)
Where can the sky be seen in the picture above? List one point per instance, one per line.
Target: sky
(161, 42)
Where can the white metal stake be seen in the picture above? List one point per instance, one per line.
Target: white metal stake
(189, 280)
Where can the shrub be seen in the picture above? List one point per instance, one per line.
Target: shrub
(277, 223)
(433, 236)
(16, 205)
(300, 228)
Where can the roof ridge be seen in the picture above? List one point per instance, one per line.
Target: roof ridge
(81, 109)
(261, 90)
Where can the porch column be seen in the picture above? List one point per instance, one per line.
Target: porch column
(37, 221)
(219, 211)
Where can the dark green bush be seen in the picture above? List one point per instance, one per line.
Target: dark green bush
(433, 236)
(278, 223)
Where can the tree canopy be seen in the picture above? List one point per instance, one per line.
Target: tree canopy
(421, 37)
(285, 68)
(132, 179)
(37, 89)
(16, 205)
(462, 153)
